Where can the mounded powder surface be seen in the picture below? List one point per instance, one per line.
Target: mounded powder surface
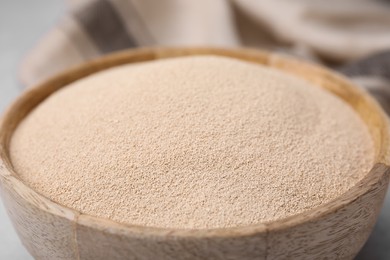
(196, 142)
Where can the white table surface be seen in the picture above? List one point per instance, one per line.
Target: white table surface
(22, 22)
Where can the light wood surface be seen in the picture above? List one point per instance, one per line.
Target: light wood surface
(336, 230)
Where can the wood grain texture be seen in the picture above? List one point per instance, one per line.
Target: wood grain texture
(336, 230)
(42, 233)
(165, 244)
(344, 230)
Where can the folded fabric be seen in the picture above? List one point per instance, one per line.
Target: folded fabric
(350, 35)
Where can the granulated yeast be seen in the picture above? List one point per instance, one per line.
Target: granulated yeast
(196, 142)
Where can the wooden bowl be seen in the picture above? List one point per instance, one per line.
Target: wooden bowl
(336, 230)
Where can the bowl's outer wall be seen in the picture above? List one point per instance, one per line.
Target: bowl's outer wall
(45, 235)
(50, 231)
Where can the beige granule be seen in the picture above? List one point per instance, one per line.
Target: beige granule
(196, 142)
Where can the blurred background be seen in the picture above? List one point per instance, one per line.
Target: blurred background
(41, 38)
(22, 23)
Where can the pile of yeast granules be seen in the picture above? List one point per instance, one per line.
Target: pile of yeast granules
(193, 143)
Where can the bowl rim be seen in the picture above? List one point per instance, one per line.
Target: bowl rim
(9, 122)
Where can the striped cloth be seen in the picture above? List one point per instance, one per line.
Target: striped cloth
(352, 36)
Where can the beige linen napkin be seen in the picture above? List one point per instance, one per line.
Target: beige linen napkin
(350, 35)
